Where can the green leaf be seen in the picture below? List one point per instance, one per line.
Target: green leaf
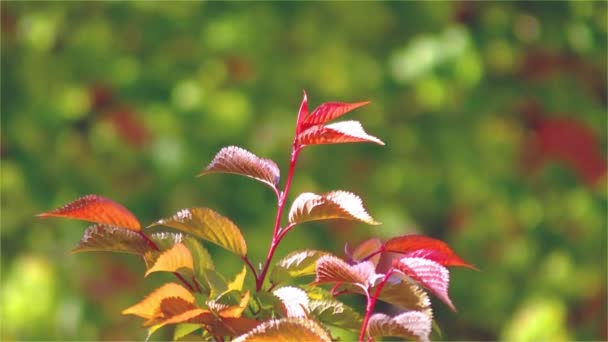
(184, 329)
(208, 225)
(296, 264)
(286, 330)
(105, 238)
(334, 312)
(216, 283)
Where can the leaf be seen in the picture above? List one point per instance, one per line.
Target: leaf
(200, 255)
(334, 312)
(236, 311)
(296, 264)
(429, 274)
(149, 307)
(176, 258)
(329, 111)
(233, 159)
(331, 269)
(367, 248)
(411, 325)
(183, 329)
(105, 238)
(208, 225)
(302, 113)
(294, 300)
(337, 133)
(286, 330)
(97, 209)
(331, 205)
(405, 294)
(238, 282)
(418, 246)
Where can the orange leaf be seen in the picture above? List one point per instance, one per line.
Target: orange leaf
(337, 133)
(286, 330)
(239, 161)
(331, 205)
(97, 209)
(149, 307)
(329, 111)
(173, 259)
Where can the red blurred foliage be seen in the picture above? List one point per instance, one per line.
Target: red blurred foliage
(565, 140)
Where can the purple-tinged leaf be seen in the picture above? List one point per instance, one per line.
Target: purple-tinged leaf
(411, 325)
(105, 238)
(98, 209)
(418, 246)
(233, 159)
(331, 205)
(331, 269)
(337, 133)
(329, 111)
(367, 248)
(429, 274)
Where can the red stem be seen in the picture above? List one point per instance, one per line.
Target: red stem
(276, 233)
(371, 302)
(246, 260)
(155, 247)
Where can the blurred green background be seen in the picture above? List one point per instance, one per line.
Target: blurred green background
(494, 115)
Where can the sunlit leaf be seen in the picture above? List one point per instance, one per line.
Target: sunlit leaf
(336, 133)
(149, 307)
(334, 312)
(331, 205)
(329, 111)
(286, 330)
(404, 293)
(331, 269)
(412, 325)
(367, 248)
(97, 209)
(104, 238)
(236, 160)
(296, 264)
(238, 282)
(235, 311)
(418, 246)
(183, 329)
(295, 301)
(429, 274)
(176, 258)
(208, 225)
(302, 113)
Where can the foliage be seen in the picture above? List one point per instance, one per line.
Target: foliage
(495, 114)
(220, 311)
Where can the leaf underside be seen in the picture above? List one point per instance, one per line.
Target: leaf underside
(411, 325)
(106, 238)
(331, 269)
(286, 330)
(295, 301)
(336, 133)
(98, 209)
(208, 225)
(429, 274)
(331, 205)
(236, 160)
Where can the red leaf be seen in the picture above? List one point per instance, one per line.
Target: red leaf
(418, 246)
(302, 113)
(429, 274)
(337, 133)
(329, 111)
(97, 209)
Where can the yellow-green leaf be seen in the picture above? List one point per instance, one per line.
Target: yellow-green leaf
(296, 264)
(176, 258)
(208, 225)
(331, 311)
(331, 205)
